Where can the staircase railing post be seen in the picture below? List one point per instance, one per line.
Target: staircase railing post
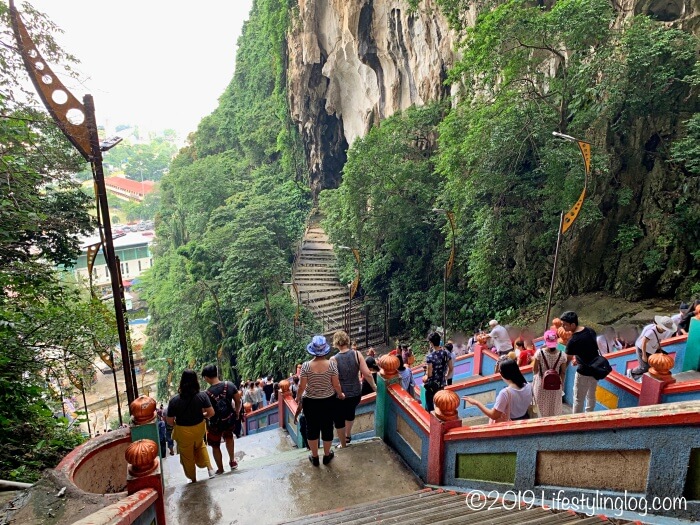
(442, 419)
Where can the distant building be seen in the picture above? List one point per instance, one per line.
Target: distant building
(134, 252)
(127, 189)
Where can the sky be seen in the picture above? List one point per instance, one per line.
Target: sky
(153, 63)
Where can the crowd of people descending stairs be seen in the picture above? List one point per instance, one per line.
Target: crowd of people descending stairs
(328, 389)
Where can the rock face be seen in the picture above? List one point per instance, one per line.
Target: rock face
(353, 63)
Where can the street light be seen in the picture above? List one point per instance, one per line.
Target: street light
(567, 220)
(448, 268)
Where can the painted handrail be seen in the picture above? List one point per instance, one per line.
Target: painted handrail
(410, 407)
(654, 415)
(125, 511)
(265, 414)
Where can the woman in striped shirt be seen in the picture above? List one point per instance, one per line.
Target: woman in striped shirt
(318, 388)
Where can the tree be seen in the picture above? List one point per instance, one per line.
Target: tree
(148, 161)
(46, 327)
(231, 211)
(384, 207)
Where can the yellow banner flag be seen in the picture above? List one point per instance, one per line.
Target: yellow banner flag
(92, 255)
(354, 286)
(571, 215)
(585, 148)
(75, 380)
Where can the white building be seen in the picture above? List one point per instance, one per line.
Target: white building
(133, 250)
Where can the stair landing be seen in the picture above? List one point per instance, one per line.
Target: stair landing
(276, 483)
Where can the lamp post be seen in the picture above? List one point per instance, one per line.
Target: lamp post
(354, 286)
(567, 220)
(448, 268)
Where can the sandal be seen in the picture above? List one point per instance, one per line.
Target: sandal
(314, 460)
(348, 439)
(327, 459)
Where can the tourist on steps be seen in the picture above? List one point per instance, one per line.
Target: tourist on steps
(547, 396)
(318, 388)
(186, 413)
(513, 401)
(500, 339)
(583, 345)
(226, 401)
(350, 365)
(438, 365)
(649, 342)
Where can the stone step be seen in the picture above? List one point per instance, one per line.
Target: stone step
(443, 508)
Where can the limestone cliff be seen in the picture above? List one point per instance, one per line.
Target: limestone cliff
(353, 63)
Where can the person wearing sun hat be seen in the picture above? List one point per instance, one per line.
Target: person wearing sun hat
(549, 402)
(649, 342)
(318, 388)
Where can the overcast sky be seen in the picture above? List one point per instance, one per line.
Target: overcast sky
(154, 63)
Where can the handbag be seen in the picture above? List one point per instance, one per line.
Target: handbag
(431, 385)
(598, 369)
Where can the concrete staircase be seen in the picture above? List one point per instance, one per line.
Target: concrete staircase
(315, 275)
(437, 506)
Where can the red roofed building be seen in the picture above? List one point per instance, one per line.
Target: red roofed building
(128, 189)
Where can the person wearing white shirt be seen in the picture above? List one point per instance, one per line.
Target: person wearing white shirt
(607, 342)
(500, 338)
(649, 342)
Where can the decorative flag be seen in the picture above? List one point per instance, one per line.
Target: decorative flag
(585, 148)
(92, 255)
(355, 285)
(75, 380)
(571, 215)
(67, 112)
(356, 281)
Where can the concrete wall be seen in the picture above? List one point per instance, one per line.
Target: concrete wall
(643, 452)
(98, 466)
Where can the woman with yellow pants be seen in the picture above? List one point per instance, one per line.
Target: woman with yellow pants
(186, 412)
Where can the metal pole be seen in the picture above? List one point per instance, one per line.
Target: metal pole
(444, 306)
(60, 393)
(366, 325)
(126, 327)
(87, 416)
(116, 387)
(554, 273)
(96, 153)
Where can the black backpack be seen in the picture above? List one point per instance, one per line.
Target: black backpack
(223, 411)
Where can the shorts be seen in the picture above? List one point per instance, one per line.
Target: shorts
(345, 410)
(214, 434)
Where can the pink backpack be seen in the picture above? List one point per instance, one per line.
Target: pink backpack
(551, 380)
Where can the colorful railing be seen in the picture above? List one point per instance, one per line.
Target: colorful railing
(266, 418)
(643, 454)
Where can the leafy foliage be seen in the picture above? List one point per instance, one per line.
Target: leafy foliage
(232, 208)
(148, 161)
(527, 70)
(47, 328)
(384, 208)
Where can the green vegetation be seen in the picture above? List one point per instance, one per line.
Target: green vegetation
(47, 328)
(233, 206)
(525, 71)
(148, 161)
